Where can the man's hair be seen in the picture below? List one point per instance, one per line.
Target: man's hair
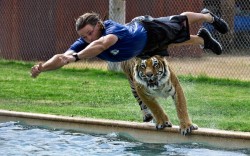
(87, 18)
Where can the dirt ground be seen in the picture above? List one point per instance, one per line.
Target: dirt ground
(233, 67)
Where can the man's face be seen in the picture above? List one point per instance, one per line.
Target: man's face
(90, 33)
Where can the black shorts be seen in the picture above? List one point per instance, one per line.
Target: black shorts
(163, 31)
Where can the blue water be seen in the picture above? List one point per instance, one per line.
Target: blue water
(19, 139)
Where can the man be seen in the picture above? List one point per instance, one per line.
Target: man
(144, 36)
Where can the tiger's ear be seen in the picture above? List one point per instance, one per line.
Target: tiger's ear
(159, 57)
(162, 59)
(137, 59)
(143, 57)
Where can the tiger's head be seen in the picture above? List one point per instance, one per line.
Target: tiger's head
(152, 72)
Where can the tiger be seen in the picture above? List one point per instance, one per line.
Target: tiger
(152, 78)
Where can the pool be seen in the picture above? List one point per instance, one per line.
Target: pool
(20, 139)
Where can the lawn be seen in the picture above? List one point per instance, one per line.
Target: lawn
(212, 103)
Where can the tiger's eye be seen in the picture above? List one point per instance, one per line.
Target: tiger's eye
(160, 72)
(143, 66)
(155, 64)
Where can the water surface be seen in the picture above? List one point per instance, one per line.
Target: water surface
(18, 139)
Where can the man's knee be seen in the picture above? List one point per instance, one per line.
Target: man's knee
(185, 13)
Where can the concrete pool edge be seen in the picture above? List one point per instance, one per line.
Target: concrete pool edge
(144, 132)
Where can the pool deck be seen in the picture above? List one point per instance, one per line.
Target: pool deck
(144, 132)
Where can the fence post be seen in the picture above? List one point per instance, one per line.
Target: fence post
(116, 13)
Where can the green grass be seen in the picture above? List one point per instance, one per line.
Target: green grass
(212, 103)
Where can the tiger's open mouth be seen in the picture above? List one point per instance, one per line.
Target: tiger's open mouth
(152, 83)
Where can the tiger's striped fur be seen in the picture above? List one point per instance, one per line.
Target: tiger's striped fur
(153, 78)
(147, 115)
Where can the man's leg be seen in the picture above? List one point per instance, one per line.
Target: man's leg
(203, 38)
(194, 40)
(197, 17)
(207, 16)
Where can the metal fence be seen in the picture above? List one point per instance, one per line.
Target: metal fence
(36, 30)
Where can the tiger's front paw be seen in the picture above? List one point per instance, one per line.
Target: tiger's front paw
(165, 124)
(188, 129)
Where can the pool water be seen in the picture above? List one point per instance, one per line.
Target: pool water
(19, 139)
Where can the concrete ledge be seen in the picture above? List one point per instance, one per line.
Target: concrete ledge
(144, 132)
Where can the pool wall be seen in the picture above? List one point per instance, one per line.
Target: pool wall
(144, 132)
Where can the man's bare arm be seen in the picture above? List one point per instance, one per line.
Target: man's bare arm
(98, 46)
(59, 60)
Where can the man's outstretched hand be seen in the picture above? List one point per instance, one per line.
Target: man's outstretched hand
(55, 62)
(36, 70)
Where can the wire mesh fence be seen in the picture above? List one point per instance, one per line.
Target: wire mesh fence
(36, 30)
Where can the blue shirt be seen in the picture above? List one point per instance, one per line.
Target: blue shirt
(132, 39)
